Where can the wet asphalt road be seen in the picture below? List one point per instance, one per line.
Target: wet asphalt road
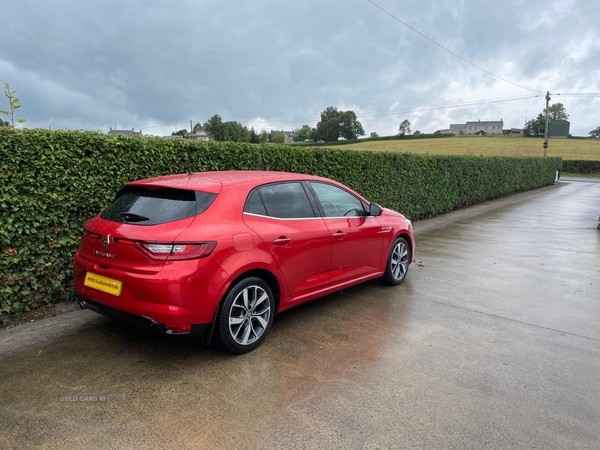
(493, 342)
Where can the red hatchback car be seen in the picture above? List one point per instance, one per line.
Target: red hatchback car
(219, 253)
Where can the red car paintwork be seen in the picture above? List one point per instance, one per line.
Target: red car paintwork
(307, 258)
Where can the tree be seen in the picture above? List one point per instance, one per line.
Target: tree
(556, 111)
(14, 103)
(374, 135)
(595, 133)
(278, 137)
(253, 136)
(182, 133)
(263, 137)
(417, 132)
(305, 133)
(335, 124)
(234, 131)
(197, 126)
(351, 127)
(535, 127)
(214, 128)
(404, 128)
(218, 130)
(4, 123)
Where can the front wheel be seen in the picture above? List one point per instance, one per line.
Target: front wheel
(397, 263)
(246, 315)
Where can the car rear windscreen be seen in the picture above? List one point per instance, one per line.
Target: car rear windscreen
(142, 205)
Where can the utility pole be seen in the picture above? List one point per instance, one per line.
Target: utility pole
(546, 127)
(191, 129)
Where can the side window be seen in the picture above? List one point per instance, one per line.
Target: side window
(254, 205)
(337, 202)
(286, 201)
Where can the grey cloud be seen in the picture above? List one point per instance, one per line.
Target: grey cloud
(89, 65)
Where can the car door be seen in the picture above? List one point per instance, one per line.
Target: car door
(296, 236)
(356, 237)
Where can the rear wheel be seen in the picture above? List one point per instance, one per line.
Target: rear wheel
(246, 315)
(396, 268)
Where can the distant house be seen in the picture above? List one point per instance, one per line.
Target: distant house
(489, 127)
(131, 132)
(513, 132)
(559, 129)
(289, 135)
(199, 135)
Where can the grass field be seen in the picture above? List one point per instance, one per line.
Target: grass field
(487, 146)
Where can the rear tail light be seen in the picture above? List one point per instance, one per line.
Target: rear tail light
(163, 251)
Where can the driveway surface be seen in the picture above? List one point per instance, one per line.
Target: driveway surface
(493, 342)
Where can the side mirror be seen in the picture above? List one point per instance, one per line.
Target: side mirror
(374, 209)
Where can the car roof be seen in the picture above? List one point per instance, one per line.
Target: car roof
(214, 181)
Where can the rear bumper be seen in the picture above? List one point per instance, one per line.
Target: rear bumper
(138, 321)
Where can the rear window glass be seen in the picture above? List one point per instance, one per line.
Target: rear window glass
(254, 205)
(151, 206)
(286, 201)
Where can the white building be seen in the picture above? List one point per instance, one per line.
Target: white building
(489, 127)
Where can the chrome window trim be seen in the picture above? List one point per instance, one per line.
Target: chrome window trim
(283, 218)
(307, 218)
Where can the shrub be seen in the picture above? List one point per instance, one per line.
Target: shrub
(51, 182)
(581, 166)
(397, 137)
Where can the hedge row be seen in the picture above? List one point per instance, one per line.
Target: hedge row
(51, 182)
(581, 166)
(397, 137)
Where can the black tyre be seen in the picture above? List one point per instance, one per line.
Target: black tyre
(396, 268)
(246, 315)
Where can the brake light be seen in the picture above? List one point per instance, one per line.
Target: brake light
(164, 251)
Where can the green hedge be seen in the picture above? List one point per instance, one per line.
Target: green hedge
(581, 166)
(51, 182)
(397, 137)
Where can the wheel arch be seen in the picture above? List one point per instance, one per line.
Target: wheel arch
(261, 273)
(410, 243)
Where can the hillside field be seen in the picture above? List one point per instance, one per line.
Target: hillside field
(586, 149)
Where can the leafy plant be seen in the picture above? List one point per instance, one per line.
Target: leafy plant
(278, 137)
(581, 166)
(14, 104)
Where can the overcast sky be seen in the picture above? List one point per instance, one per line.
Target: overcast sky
(275, 64)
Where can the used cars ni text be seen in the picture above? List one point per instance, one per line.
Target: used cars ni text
(220, 253)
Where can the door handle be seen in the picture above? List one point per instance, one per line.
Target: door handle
(339, 235)
(282, 240)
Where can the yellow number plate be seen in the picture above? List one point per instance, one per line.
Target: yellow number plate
(103, 284)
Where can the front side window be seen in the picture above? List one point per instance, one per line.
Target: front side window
(286, 201)
(337, 202)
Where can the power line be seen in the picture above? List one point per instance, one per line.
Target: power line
(450, 51)
(408, 111)
(362, 116)
(578, 94)
(401, 112)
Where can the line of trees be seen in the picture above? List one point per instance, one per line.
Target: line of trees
(334, 124)
(218, 130)
(537, 126)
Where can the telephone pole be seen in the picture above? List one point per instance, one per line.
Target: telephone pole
(546, 127)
